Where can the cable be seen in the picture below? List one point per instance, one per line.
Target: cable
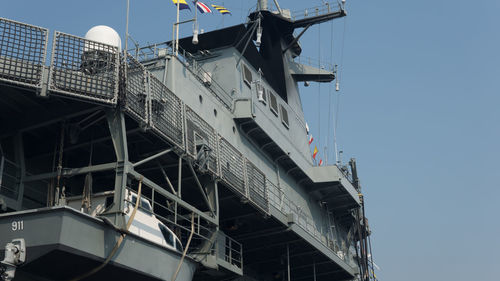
(120, 240)
(330, 95)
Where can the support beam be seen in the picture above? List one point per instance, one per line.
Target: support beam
(73, 172)
(20, 161)
(118, 131)
(152, 157)
(200, 187)
(167, 179)
(296, 38)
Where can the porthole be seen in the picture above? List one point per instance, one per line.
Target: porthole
(200, 98)
(215, 112)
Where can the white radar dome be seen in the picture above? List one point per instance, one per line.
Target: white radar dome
(104, 34)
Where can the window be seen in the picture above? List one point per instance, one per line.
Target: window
(145, 205)
(284, 116)
(247, 75)
(264, 96)
(169, 237)
(273, 103)
(178, 245)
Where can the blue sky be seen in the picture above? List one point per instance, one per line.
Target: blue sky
(418, 107)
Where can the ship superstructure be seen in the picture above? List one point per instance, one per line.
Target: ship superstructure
(205, 141)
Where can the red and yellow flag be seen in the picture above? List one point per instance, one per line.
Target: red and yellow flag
(315, 151)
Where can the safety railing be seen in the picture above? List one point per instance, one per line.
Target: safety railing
(198, 133)
(135, 99)
(166, 114)
(187, 59)
(9, 178)
(279, 200)
(232, 167)
(229, 250)
(257, 191)
(323, 9)
(85, 69)
(178, 219)
(23, 50)
(314, 62)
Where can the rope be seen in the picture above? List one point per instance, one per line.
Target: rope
(185, 249)
(120, 240)
(59, 162)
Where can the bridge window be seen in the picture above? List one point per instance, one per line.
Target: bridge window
(273, 103)
(284, 116)
(169, 237)
(247, 75)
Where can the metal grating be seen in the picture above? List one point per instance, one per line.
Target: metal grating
(23, 49)
(196, 129)
(231, 163)
(166, 112)
(135, 100)
(257, 190)
(84, 69)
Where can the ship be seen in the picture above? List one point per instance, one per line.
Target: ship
(182, 160)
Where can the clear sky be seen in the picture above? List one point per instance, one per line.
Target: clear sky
(419, 109)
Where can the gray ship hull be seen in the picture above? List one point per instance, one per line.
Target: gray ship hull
(62, 243)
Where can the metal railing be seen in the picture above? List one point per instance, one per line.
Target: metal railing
(159, 50)
(314, 62)
(323, 9)
(279, 200)
(10, 174)
(85, 69)
(229, 250)
(23, 50)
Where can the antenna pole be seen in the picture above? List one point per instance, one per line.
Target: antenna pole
(263, 5)
(177, 30)
(126, 27)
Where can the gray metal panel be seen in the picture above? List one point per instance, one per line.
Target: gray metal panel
(166, 116)
(84, 69)
(23, 50)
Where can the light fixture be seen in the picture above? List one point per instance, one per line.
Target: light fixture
(195, 36)
(259, 36)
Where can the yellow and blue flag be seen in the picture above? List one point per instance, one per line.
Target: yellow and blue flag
(221, 9)
(182, 4)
